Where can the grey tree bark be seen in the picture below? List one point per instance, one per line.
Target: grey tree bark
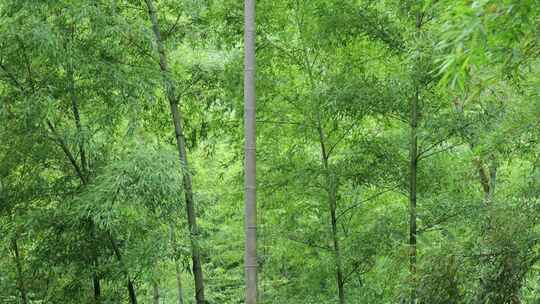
(250, 153)
(180, 140)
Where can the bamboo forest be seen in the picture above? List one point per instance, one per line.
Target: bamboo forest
(270, 151)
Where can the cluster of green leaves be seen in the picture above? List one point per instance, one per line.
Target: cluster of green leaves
(99, 193)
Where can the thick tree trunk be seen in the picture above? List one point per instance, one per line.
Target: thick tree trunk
(20, 275)
(250, 153)
(332, 188)
(180, 140)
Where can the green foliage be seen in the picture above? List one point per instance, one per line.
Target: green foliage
(91, 183)
(138, 182)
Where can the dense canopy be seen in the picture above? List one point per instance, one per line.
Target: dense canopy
(397, 151)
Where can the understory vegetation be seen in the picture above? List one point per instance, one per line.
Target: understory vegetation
(398, 151)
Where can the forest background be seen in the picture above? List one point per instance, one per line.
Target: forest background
(397, 151)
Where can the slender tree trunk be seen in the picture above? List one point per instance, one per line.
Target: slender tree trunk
(131, 290)
(487, 175)
(63, 145)
(155, 287)
(332, 187)
(176, 265)
(77, 118)
(20, 275)
(97, 285)
(95, 263)
(492, 180)
(83, 179)
(413, 168)
(180, 140)
(84, 170)
(250, 153)
(179, 283)
(130, 286)
(337, 251)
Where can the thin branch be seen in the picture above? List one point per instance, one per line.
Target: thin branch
(332, 147)
(27, 62)
(188, 87)
(354, 270)
(439, 151)
(436, 223)
(173, 27)
(447, 137)
(13, 79)
(382, 34)
(356, 205)
(142, 51)
(287, 53)
(310, 244)
(67, 152)
(282, 122)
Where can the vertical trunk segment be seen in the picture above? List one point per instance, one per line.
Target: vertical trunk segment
(85, 172)
(412, 194)
(155, 286)
(413, 168)
(337, 250)
(250, 154)
(332, 200)
(180, 140)
(179, 283)
(332, 184)
(176, 265)
(20, 276)
(131, 288)
(77, 118)
(84, 168)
